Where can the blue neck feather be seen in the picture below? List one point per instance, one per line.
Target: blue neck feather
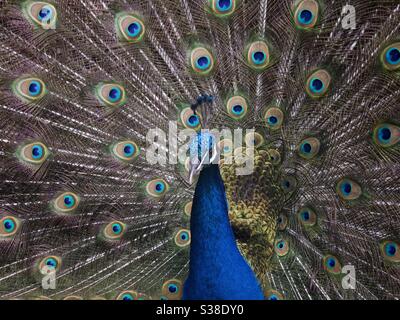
(217, 271)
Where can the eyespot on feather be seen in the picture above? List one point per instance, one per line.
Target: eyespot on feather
(348, 189)
(318, 83)
(201, 61)
(190, 120)
(130, 28)
(9, 226)
(390, 57)
(237, 107)
(182, 238)
(114, 230)
(66, 202)
(125, 150)
(274, 118)
(390, 251)
(258, 55)
(309, 148)
(41, 14)
(223, 8)
(331, 264)
(34, 153)
(29, 89)
(111, 94)
(157, 188)
(172, 289)
(386, 135)
(306, 14)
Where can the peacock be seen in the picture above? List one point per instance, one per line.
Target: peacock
(98, 97)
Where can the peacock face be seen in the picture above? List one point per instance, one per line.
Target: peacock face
(203, 151)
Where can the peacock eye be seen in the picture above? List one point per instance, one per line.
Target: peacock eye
(391, 57)
(307, 217)
(226, 147)
(223, 8)
(172, 289)
(51, 263)
(130, 28)
(348, 189)
(390, 251)
(188, 208)
(190, 120)
(306, 14)
(157, 188)
(182, 238)
(8, 226)
(42, 14)
(273, 295)
(332, 264)
(318, 83)
(281, 247)
(237, 107)
(309, 148)
(282, 222)
(288, 184)
(274, 118)
(127, 295)
(29, 89)
(201, 61)
(275, 156)
(258, 55)
(66, 202)
(255, 140)
(125, 150)
(114, 230)
(386, 135)
(111, 94)
(33, 153)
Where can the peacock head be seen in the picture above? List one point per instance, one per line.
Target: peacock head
(203, 152)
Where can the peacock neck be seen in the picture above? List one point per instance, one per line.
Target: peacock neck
(212, 234)
(217, 269)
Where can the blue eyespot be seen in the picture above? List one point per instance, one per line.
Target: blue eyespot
(384, 135)
(306, 147)
(35, 88)
(127, 297)
(331, 263)
(193, 121)
(69, 201)
(159, 187)
(224, 5)
(393, 56)
(172, 288)
(238, 109)
(305, 17)
(203, 63)
(51, 262)
(37, 152)
(346, 188)
(129, 150)
(305, 216)
(45, 14)
(316, 85)
(273, 297)
(272, 120)
(9, 225)
(115, 94)
(184, 236)
(390, 249)
(134, 29)
(116, 228)
(258, 57)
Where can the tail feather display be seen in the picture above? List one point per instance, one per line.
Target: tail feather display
(90, 90)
